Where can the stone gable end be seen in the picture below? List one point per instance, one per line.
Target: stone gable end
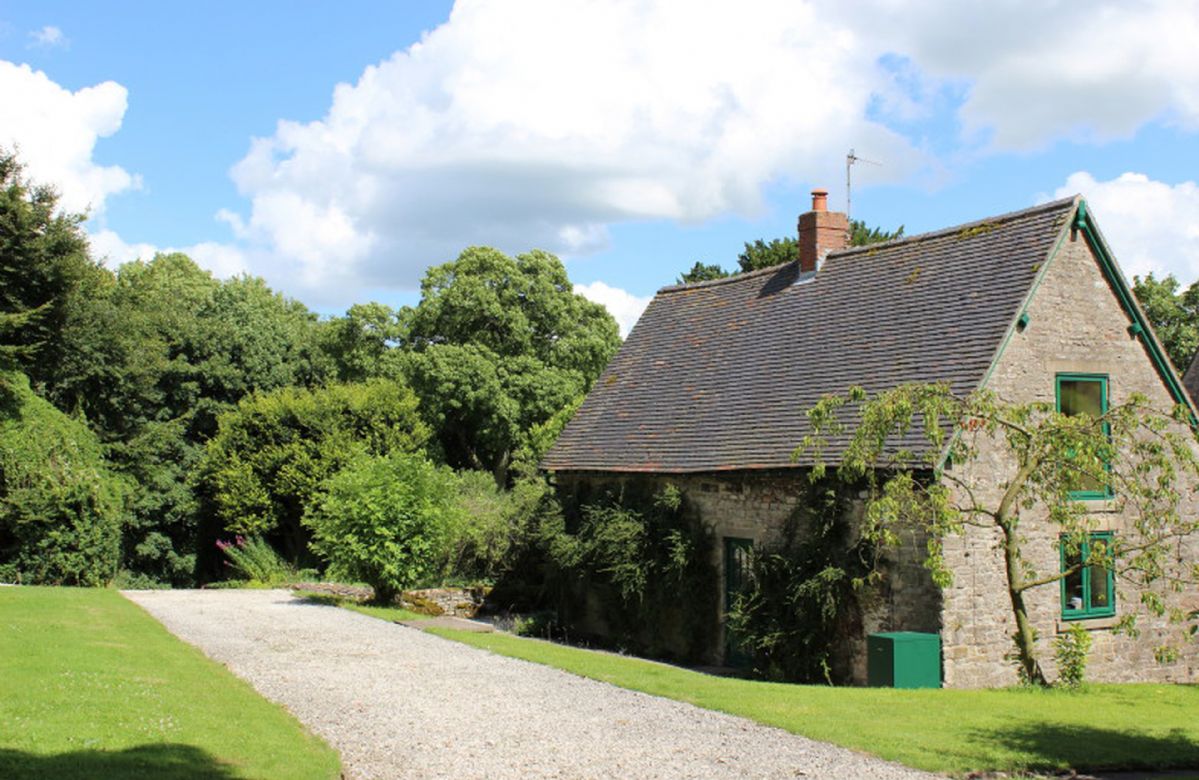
(1076, 324)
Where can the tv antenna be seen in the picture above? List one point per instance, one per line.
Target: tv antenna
(850, 159)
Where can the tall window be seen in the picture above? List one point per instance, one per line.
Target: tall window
(1084, 394)
(1090, 591)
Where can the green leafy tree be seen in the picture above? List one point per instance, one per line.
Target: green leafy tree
(702, 272)
(760, 253)
(860, 234)
(362, 344)
(269, 462)
(1174, 314)
(384, 521)
(766, 254)
(250, 339)
(1037, 458)
(61, 508)
(499, 345)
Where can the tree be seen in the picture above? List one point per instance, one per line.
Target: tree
(1144, 456)
(361, 344)
(862, 235)
(272, 455)
(498, 346)
(701, 272)
(761, 254)
(766, 254)
(61, 508)
(1174, 315)
(43, 260)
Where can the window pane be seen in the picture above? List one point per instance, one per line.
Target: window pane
(1081, 396)
(1099, 594)
(1075, 598)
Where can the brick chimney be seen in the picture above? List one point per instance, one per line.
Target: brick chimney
(820, 231)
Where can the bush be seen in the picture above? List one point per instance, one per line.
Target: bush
(646, 563)
(256, 562)
(1071, 650)
(61, 509)
(384, 521)
(269, 462)
(491, 527)
(804, 593)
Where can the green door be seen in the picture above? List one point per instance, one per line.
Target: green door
(736, 581)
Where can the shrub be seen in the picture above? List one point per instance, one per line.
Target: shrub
(256, 562)
(803, 594)
(61, 509)
(1071, 650)
(384, 521)
(640, 558)
(269, 462)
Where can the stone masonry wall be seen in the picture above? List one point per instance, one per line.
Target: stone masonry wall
(1076, 325)
(756, 505)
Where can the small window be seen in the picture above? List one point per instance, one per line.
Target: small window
(1084, 394)
(1090, 591)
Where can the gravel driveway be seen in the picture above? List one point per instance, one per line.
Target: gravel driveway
(399, 703)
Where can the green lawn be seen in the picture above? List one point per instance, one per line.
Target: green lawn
(957, 731)
(91, 686)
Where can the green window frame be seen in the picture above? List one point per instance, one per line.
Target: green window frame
(1105, 492)
(1091, 591)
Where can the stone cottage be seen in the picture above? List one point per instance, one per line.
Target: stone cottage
(709, 393)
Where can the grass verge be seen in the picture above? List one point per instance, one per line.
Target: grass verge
(955, 731)
(393, 614)
(91, 686)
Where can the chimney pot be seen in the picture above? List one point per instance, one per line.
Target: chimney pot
(820, 231)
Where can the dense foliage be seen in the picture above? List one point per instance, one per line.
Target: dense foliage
(1174, 314)
(642, 559)
(273, 454)
(805, 591)
(385, 521)
(760, 253)
(499, 345)
(61, 508)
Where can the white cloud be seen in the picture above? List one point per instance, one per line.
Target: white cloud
(1151, 226)
(48, 37)
(1034, 71)
(55, 131)
(223, 260)
(539, 124)
(621, 304)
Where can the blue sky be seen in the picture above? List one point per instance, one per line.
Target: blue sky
(631, 138)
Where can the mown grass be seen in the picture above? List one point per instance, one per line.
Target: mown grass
(955, 731)
(91, 686)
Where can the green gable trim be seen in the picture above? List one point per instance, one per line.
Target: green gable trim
(1139, 328)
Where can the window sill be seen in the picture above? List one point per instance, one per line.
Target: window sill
(1090, 624)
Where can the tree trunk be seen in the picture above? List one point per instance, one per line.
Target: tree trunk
(500, 470)
(1026, 650)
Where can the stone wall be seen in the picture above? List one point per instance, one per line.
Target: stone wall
(756, 505)
(1076, 324)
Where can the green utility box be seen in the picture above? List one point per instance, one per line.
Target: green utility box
(903, 659)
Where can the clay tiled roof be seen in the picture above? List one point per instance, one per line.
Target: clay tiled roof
(718, 375)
